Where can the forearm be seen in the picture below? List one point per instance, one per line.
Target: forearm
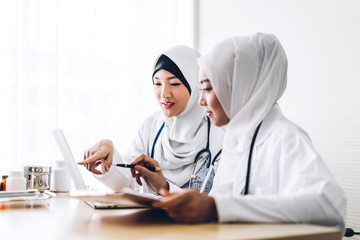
(293, 208)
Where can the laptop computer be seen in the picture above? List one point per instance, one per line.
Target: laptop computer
(78, 179)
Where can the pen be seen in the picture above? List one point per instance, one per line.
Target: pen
(151, 168)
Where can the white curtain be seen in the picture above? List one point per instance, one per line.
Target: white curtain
(83, 66)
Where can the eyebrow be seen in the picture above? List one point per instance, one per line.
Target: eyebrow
(169, 78)
(204, 80)
(172, 77)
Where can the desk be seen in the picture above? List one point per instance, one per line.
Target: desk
(68, 219)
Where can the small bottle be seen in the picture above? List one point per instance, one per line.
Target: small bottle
(16, 181)
(61, 179)
(3, 183)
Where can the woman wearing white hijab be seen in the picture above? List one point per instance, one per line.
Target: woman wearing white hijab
(286, 179)
(184, 134)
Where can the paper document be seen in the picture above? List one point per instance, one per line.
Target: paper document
(31, 194)
(126, 199)
(21, 193)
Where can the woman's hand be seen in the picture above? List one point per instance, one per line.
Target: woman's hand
(154, 180)
(189, 206)
(100, 154)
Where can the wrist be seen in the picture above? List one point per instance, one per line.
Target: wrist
(213, 215)
(164, 185)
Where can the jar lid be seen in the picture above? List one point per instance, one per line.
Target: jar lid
(37, 169)
(4, 176)
(16, 173)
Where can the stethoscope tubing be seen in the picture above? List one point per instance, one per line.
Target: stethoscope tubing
(203, 185)
(211, 163)
(247, 181)
(207, 149)
(155, 140)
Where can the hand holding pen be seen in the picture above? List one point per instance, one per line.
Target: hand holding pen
(132, 166)
(149, 170)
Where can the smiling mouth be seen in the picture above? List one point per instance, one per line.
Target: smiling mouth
(168, 105)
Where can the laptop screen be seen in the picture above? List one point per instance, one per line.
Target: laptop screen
(69, 159)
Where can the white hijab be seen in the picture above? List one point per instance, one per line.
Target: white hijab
(248, 75)
(184, 135)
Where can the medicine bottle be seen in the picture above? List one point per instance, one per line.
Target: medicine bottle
(16, 181)
(61, 179)
(3, 183)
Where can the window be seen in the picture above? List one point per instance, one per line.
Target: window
(83, 66)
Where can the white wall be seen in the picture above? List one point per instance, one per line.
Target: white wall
(322, 41)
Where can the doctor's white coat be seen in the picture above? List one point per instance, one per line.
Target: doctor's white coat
(289, 182)
(118, 177)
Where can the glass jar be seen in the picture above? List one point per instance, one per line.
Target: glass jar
(3, 183)
(37, 177)
(16, 181)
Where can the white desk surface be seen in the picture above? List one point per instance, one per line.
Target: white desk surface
(68, 219)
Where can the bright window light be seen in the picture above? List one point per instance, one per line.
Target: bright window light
(83, 66)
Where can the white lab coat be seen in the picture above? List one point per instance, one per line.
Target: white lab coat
(289, 181)
(118, 177)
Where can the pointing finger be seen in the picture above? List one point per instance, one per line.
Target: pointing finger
(91, 159)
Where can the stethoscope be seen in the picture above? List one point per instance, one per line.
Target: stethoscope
(210, 164)
(247, 182)
(208, 174)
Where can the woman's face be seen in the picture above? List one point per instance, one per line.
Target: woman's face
(170, 92)
(209, 100)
